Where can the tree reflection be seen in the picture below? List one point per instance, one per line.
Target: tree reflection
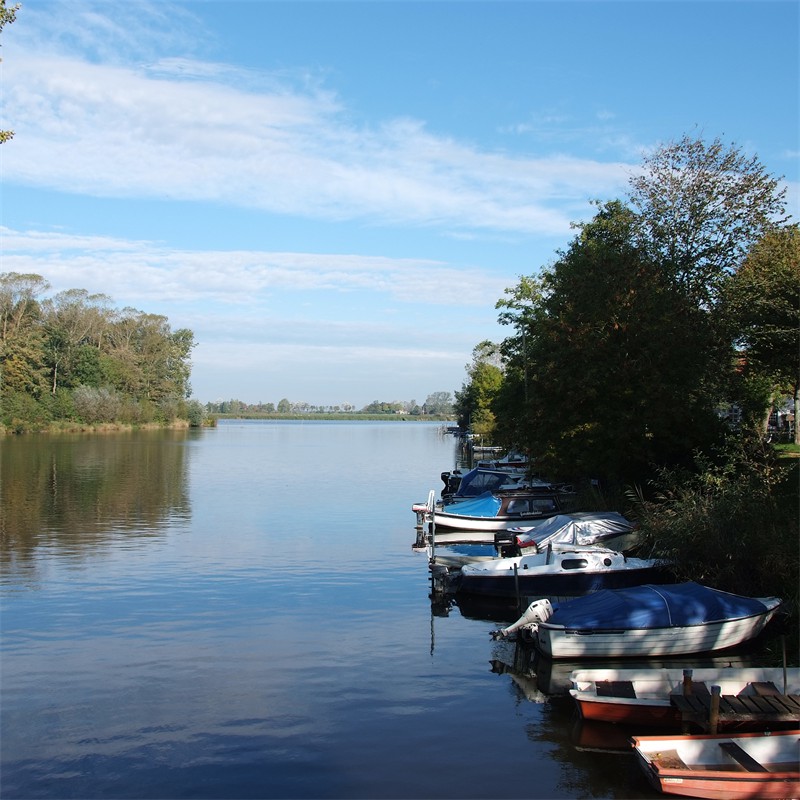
(75, 492)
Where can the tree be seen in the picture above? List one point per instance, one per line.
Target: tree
(439, 403)
(128, 363)
(512, 403)
(22, 342)
(474, 401)
(615, 356)
(74, 325)
(700, 207)
(763, 306)
(7, 16)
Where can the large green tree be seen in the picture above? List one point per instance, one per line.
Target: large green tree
(621, 352)
(763, 306)
(23, 367)
(473, 403)
(614, 359)
(700, 207)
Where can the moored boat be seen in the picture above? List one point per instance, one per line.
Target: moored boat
(645, 621)
(560, 570)
(722, 767)
(643, 696)
(604, 528)
(480, 518)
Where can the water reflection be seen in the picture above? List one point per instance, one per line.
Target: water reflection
(75, 492)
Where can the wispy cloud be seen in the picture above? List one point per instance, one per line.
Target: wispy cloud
(183, 128)
(148, 271)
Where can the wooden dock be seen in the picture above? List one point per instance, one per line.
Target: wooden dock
(709, 710)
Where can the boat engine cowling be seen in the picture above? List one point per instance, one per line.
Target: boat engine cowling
(537, 611)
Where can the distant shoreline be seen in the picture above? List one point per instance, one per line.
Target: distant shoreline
(343, 416)
(65, 426)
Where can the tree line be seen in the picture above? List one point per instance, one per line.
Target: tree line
(647, 357)
(670, 313)
(438, 404)
(74, 356)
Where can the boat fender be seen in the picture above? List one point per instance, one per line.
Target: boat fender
(537, 611)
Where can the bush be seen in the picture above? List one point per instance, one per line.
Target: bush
(732, 526)
(195, 413)
(93, 404)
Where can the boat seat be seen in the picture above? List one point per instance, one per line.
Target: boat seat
(745, 759)
(669, 759)
(762, 688)
(615, 689)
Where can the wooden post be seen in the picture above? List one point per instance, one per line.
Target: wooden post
(713, 714)
(687, 691)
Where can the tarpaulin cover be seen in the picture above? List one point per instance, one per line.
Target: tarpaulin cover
(565, 529)
(653, 606)
(484, 505)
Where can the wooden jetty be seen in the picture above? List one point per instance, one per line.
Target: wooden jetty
(768, 707)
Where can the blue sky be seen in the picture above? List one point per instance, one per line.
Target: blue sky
(334, 195)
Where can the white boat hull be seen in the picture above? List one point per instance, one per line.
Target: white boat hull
(556, 641)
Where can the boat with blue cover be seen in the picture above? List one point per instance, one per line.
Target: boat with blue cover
(478, 519)
(645, 621)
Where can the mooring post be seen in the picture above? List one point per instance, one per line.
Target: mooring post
(516, 589)
(713, 714)
(687, 682)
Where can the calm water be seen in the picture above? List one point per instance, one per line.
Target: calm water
(238, 613)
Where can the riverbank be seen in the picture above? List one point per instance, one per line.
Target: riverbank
(72, 426)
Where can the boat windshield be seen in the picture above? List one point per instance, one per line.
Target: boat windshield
(478, 481)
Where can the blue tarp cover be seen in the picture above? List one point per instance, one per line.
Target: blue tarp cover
(652, 606)
(484, 505)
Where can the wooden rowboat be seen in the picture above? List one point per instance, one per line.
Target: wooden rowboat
(637, 696)
(733, 767)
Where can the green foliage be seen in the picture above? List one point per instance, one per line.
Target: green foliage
(731, 524)
(77, 358)
(473, 404)
(622, 349)
(94, 405)
(700, 207)
(762, 304)
(196, 414)
(439, 403)
(609, 360)
(20, 412)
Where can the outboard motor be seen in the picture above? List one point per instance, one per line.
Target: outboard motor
(537, 611)
(505, 542)
(451, 480)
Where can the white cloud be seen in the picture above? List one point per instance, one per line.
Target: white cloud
(138, 272)
(178, 129)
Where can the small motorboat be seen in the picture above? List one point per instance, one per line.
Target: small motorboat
(605, 528)
(478, 519)
(643, 696)
(558, 571)
(644, 621)
(727, 767)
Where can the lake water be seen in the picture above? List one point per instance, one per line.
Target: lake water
(238, 613)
